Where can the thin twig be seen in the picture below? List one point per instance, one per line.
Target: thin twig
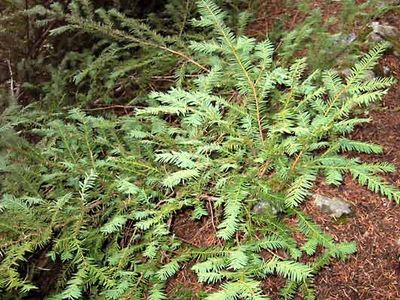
(184, 18)
(169, 223)
(120, 34)
(186, 57)
(41, 40)
(28, 29)
(111, 107)
(212, 220)
(11, 77)
(186, 241)
(294, 20)
(242, 66)
(293, 166)
(276, 255)
(209, 198)
(173, 76)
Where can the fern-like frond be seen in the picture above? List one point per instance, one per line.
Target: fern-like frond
(366, 64)
(300, 189)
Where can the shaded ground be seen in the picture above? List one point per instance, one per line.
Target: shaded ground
(374, 272)
(198, 234)
(276, 14)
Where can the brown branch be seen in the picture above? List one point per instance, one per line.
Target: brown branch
(110, 107)
(41, 40)
(293, 166)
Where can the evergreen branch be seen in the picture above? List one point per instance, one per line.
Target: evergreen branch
(207, 4)
(90, 26)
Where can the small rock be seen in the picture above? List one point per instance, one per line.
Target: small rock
(384, 31)
(374, 37)
(387, 3)
(369, 75)
(386, 71)
(348, 39)
(334, 206)
(345, 72)
(264, 206)
(345, 39)
(381, 5)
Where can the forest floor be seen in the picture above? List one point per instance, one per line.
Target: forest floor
(374, 271)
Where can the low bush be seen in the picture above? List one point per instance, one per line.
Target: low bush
(97, 194)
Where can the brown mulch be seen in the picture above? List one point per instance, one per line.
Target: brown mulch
(272, 13)
(198, 234)
(374, 272)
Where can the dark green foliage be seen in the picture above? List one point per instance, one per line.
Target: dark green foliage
(93, 54)
(100, 193)
(123, 57)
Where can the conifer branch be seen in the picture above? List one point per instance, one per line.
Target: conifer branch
(252, 85)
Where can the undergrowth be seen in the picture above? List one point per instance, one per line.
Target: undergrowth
(93, 54)
(329, 39)
(98, 194)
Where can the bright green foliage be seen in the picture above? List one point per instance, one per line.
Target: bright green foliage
(101, 193)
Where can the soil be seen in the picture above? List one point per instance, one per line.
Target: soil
(374, 271)
(198, 234)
